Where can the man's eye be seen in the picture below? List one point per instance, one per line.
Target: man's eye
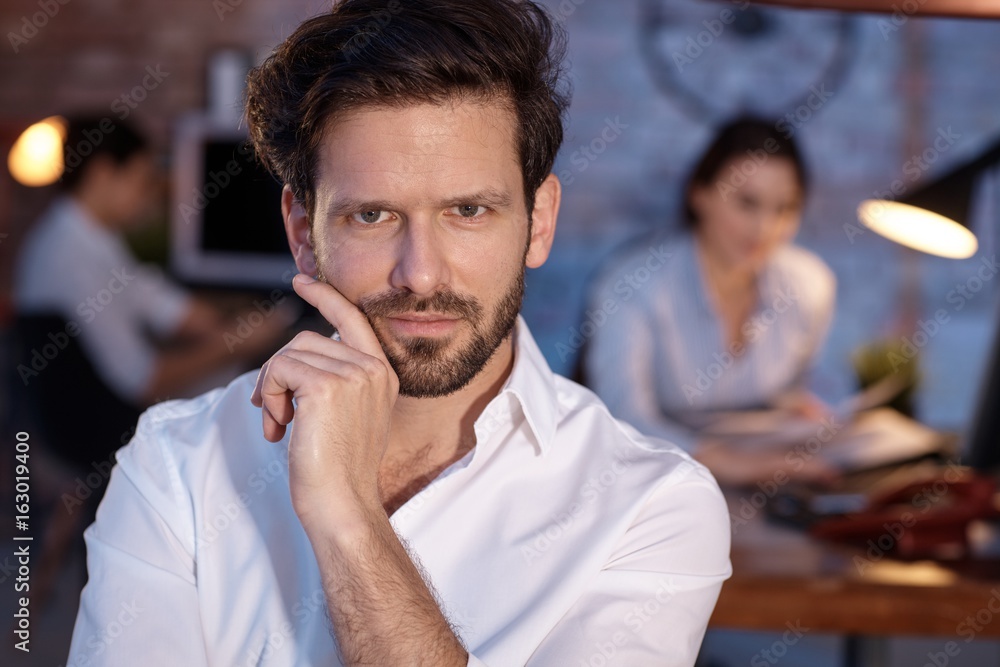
(469, 210)
(370, 217)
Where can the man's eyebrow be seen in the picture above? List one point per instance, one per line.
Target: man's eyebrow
(490, 197)
(346, 205)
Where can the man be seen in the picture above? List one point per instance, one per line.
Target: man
(75, 264)
(441, 498)
(139, 338)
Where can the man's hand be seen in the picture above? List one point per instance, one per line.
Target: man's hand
(344, 393)
(382, 610)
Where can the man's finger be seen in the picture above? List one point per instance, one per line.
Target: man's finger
(349, 321)
(255, 396)
(273, 429)
(281, 380)
(310, 341)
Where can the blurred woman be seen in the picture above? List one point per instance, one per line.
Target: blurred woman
(728, 315)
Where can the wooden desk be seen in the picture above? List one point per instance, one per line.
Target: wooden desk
(780, 575)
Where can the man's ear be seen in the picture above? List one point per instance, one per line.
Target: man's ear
(543, 221)
(298, 230)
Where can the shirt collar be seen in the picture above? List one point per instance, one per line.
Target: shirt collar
(532, 385)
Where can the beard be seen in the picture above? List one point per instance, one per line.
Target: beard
(434, 367)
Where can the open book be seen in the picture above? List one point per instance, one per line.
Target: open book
(857, 435)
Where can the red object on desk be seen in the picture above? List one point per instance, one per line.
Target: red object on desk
(925, 518)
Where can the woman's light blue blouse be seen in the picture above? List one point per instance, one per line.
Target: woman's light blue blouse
(658, 357)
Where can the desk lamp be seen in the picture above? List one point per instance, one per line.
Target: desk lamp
(935, 218)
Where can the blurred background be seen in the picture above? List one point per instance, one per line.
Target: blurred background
(871, 99)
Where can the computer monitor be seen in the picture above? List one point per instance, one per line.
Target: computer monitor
(225, 216)
(982, 451)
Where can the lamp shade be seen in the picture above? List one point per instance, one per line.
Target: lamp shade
(935, 217)
(951, 194)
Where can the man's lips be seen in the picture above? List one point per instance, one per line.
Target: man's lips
(423, 317)
(422, 324)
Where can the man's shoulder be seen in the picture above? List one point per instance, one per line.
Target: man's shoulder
(587, 423)
(659, 488)
(47, 247)
(191, 428)
(59, 263)
(205, 406)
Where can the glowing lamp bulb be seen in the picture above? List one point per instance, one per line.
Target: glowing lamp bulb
(918, 228)
(36, 158)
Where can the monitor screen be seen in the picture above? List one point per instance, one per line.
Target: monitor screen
(226, 225)
(245, 215)
(982, 451)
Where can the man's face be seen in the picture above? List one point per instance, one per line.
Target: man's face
(127, 192)
(420, 221)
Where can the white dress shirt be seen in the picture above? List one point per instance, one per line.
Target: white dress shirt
(72, 266)
(564, 537)
(661, 360)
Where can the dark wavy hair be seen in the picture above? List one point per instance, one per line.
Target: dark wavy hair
(393, 53)
(89, 137)
(739, 139)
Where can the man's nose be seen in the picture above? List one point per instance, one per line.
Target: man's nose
(421, 264)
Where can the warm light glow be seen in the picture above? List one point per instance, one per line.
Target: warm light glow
(36, 159)
(918, 228)
(919, 573)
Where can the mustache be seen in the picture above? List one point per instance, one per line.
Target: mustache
(394, 302)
